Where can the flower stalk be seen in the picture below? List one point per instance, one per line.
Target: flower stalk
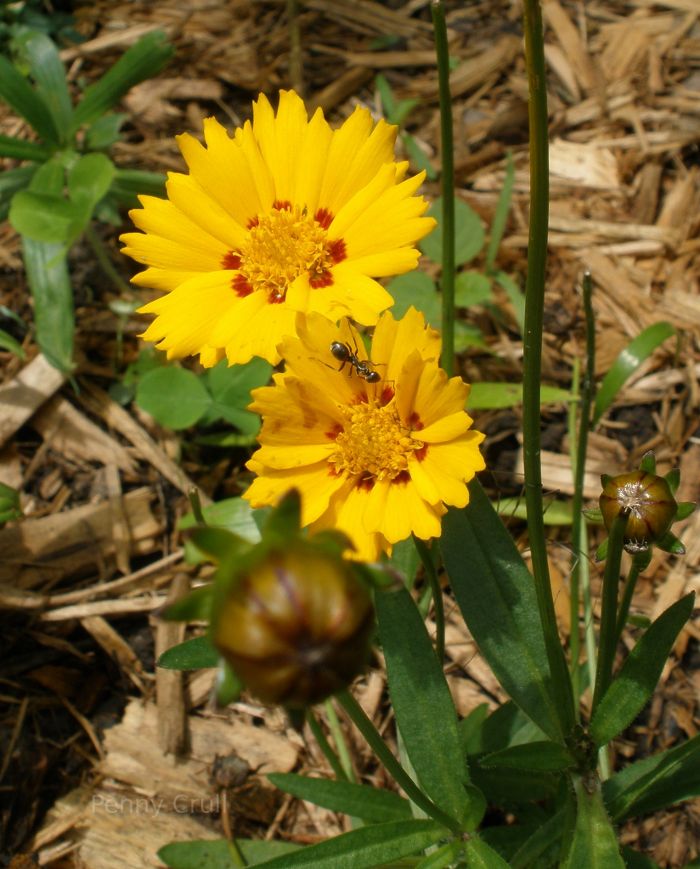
(532, 347)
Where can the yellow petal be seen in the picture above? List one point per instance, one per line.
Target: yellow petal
(192, 201)
(314, 482)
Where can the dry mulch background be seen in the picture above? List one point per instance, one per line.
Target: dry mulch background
(103, 759)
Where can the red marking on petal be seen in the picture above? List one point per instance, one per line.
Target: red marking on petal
(403, 477)
(387, 394)
(333, 471)
(415, 422)
(241, 287)
(276, 298)
(324, 217)
(420, 453)
(254, 221)
(282, 205)
(231, 260)
(334, 432)
(337, 250)
(366, 483)
(323, 279)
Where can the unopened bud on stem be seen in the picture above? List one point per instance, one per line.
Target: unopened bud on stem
(651, 506)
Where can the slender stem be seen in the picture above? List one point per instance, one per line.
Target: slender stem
(104, 261)
(340, 743)
(448, 188)
(296, 68)
(608, 614)
(325, 746)
(234, 853)
(581, 437)
(640, 562)
(391, 764)
(431, 573)
(532, 348)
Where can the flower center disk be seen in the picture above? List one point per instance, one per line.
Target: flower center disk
(373, 442)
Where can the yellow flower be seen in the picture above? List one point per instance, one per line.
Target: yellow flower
(377, 460)
(287, 216)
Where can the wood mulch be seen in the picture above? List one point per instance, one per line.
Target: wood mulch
(103, 759)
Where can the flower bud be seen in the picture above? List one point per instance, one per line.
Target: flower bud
(297, 626)
(652, 508)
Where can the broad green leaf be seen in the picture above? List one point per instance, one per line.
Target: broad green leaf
(634, 860)
(105, 131)
(655, 782)
(471, 729)
(635, 683)
(405, 559)
(507, 725)
(143, 60)
(217, 853)
(50, 177)
(89, 179)
(50, 76)
(472, 288)
(233, 514)
(543, 756)
(500, 216)
(594, 844)
(545, 837)
(491, 396)
(49, 282)
(44, 217)
(468, 335)
(441, 858)
(230, 387)
(16, 91)
(482, 856)
(422, 703)
(365, 848)
(508, 787)
(555, 512)
(11, 181)
(175, 397)
(628, 362)
(373, 805)
(419, 290)
(195, 654)
(469, 234)
(7, 342)
(21, 149)
(496, 595)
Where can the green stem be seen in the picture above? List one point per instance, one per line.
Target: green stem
(325, 746)
(104, 261)
(391, 764)
(431, 573)
(296, 67)
(607, 641)
(532, 361)
(340, 743)
(640, 562)
(580, 434)
(448, 188)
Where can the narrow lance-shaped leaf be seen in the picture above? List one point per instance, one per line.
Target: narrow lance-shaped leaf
(496, 595)
(482, 856)
(635, 683)
(21, 149)
(424, 710)
(195, 654)
(16, 91)
(594, 844)
(218, 853)
(50, 77)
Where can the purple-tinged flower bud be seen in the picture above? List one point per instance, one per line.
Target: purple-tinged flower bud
(297, 626)
(652, 508)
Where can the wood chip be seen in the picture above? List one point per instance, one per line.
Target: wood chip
(170, 688)
(24, 395)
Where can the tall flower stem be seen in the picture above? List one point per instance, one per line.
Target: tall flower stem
(608, 613)
(580, 435)
(640, 561)
(325, 746)
(448, 188)
(391, 764)
(532, 347)
(340, 743)
(105, 263)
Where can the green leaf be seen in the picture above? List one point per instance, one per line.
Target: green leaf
(20, 149)
(469, 234)
(515, 296)
(233, 514)
(365, 848)
(594, 844)
(195, 606)
(554, 512)
(11, 181)
(482, 856)
(541, 842)
(500, 216)
(496, 595)
(418, 157)
(50, 77)
(635, 683)
(104, 132)
(228, 686)
(129, 183)
(472, 288)
(424, 710)
(655, 782)
(217, 853)
(89, 179)
(16, 91)
(405, 559)
(493, 396)
(628, 362)
(7, 342)
(218, 544)
(418, 290)
(685, 509)
(143, 60)
(49, 282)
(634, 860)
(195, 654)
(44, 217)
(175, 397)
(441, 858)
(468, 335)
(544, 756)
(231, 386)
(373, 805)
(510, 788)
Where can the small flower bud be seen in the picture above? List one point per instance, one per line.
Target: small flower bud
(652, 508)
(297, 626)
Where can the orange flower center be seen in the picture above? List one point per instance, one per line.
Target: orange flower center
(281, 246)
(373, 443)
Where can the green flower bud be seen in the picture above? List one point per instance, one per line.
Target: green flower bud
(297, 626)
(652, 508)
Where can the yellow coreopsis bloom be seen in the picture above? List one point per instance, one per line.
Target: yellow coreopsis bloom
(377, 446)
(287, 216)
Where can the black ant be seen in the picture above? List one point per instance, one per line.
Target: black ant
(346, 356)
